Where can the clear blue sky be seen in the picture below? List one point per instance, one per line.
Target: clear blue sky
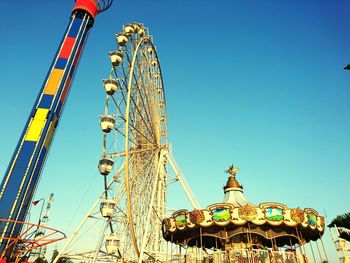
(259, 83)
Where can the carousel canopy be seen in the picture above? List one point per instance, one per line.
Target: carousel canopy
(237, 221)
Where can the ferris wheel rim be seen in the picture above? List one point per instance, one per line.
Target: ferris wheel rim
(130, 217)
(129, 87)
(141, 107)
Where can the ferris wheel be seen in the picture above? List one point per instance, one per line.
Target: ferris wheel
(135, 157)
(135, 109)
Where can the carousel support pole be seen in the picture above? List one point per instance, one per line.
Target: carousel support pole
(180, 252)
(250, 241)
(324, 250)
(171, 249)
(299, 241)
(272, 245)
(275, 247)
(249, 236)
(177, 251)
(201, 243)
(300, 250)
(291, 246)
(247, 245)
(301, 244)
(305, 248)
(319, 252)
(267, 250)
(166, 255)
(312, 251)
(271, 239)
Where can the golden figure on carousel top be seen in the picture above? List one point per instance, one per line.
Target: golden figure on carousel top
(232, 170)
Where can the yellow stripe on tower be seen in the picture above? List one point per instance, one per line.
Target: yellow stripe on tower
(36, 125)
(54, 81)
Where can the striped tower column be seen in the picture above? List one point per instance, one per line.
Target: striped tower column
(20, 181)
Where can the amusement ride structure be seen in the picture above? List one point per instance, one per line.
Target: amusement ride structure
(238, 231)
(124, 223)
(23, 173)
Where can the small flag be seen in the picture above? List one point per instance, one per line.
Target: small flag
(35, 202)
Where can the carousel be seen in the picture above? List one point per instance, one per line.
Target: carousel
(238, 231)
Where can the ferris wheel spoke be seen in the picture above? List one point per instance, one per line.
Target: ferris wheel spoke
(117, 105)
(145, 122)
(123, 76)
(139, 88)
(131, 152)
(146, 101)
(146, 63)
(133, 142)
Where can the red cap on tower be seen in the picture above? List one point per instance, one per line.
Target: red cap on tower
(89, 6)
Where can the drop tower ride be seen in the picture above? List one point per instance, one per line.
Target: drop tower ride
(22, 175)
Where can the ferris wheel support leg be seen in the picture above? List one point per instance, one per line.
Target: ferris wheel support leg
(160, 203)
(154, 188)
(76, 231)
(99, 244)
(183, 183)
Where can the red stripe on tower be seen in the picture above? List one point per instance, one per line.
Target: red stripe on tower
(67, 47)
(89, 6)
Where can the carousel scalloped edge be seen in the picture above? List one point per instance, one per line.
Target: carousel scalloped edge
(222, 214)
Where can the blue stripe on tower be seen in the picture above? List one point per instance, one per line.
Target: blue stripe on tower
(25, 154)
(73, 32)
(45, 102)
(61, 63)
